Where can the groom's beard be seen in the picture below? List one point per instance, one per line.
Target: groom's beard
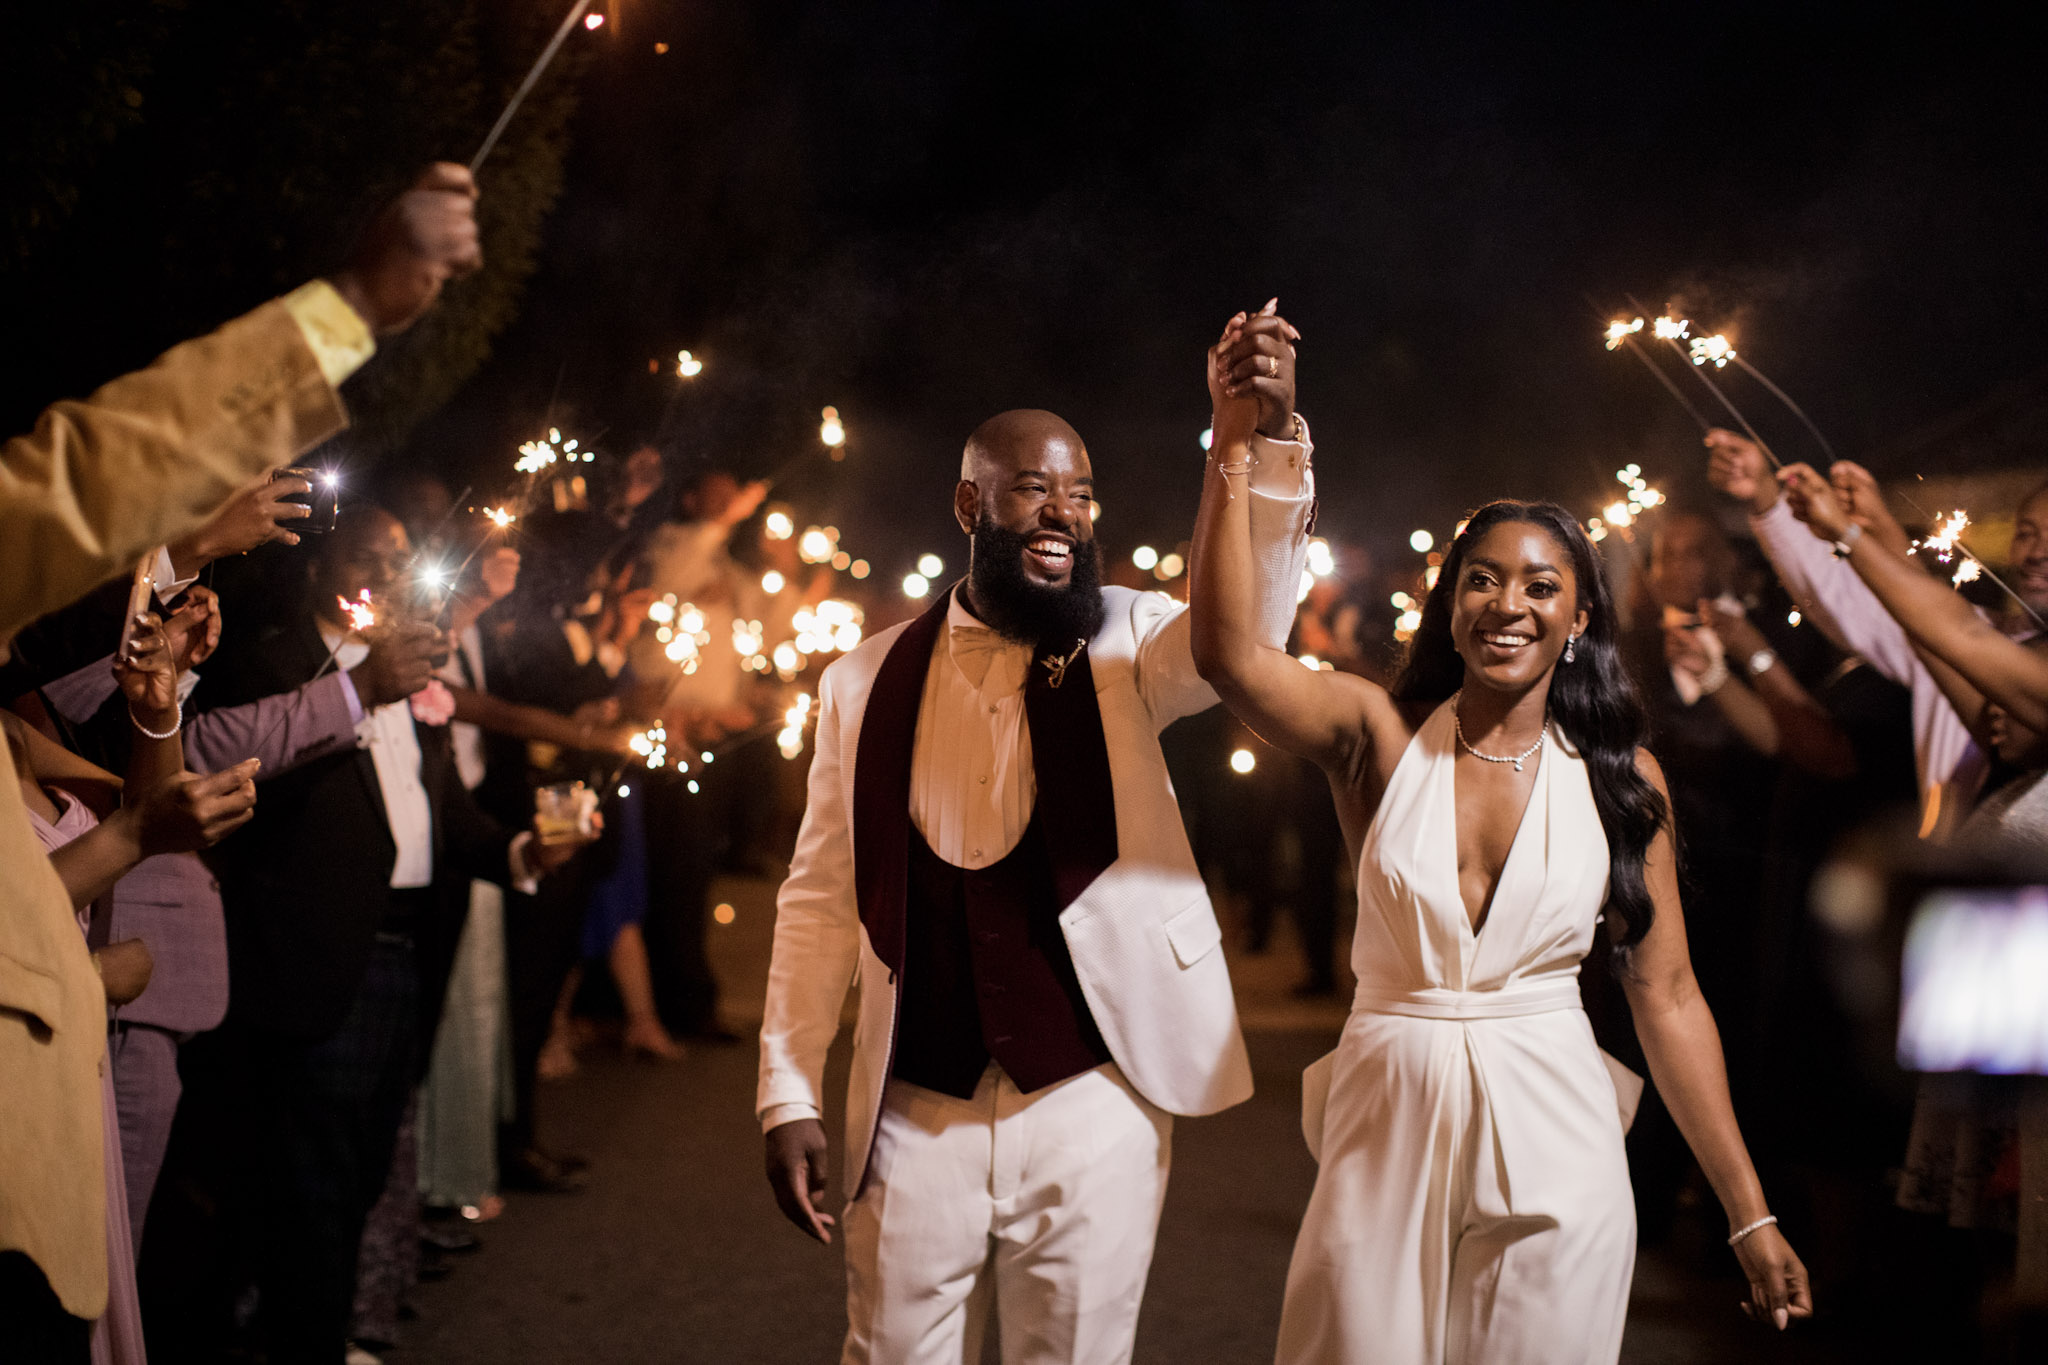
(1017, 608)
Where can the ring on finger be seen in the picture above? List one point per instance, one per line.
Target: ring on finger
(1274, 371)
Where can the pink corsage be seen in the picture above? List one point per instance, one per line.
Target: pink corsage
(433, 704)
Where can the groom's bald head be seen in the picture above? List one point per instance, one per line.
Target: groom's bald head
(1022, 438)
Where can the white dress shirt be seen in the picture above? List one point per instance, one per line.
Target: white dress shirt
(395, 750)
(972, 785)
(465, 668)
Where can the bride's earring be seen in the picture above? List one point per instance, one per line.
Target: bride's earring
(1571, 648)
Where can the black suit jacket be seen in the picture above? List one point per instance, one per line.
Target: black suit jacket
(306, 883)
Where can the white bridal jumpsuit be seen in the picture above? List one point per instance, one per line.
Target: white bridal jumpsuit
(1473, 1200)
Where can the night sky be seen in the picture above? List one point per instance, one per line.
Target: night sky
(925, 213)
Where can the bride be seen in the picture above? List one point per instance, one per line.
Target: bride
(1473, 1202)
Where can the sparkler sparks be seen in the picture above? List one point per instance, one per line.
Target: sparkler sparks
(1715, 350)
(652, 745)
(688, 366)
(1947, 537)
(361, 613)
(1618, 332)
(1668, 328)
(500, 517)
(1969, 571)
(831, 431)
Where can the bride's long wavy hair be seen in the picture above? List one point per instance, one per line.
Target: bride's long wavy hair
(1591, 699)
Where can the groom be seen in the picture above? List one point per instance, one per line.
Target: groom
(992, 850)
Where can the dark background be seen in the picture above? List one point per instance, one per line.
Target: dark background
(923, 213)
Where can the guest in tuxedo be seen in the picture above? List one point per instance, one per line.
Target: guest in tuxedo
(1041, 982)
(343, 901)
(143, 461)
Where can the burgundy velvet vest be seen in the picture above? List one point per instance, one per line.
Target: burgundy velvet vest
(978, 958)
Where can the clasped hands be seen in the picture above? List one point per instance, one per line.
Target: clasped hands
(1251, 378)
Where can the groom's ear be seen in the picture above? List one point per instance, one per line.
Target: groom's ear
(966, 505)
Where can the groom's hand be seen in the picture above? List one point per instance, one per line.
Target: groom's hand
(797, 1174)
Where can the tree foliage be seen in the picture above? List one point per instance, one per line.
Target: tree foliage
(174, 162)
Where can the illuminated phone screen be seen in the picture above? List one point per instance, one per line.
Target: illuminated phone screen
(1975, 984)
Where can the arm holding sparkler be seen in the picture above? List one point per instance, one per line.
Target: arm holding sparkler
(538, 723)
(1937, 619)
(153, 454)
(1828, 591)
(1336, 720)
(164, 809)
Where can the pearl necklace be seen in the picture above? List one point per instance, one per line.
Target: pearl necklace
(1458, 724)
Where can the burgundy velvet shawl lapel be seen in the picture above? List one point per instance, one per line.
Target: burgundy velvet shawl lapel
(1077, 803)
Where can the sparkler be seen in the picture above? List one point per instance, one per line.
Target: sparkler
(1713, 350)
(547, 55)
(1758, 375)
(1618, 333)
(1671, 330)
(360, 614)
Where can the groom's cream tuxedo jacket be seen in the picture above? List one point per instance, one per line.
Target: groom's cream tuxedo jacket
(1143, 937)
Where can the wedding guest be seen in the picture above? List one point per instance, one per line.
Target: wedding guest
(305, 1082)
(1952, 764)
(144, 461)
(163, 811)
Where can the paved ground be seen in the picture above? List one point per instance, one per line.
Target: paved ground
(676, 1253)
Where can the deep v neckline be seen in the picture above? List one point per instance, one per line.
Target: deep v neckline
(1507, 864)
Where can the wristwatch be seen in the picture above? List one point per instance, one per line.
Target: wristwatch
(1761, 660)
(1850, 535)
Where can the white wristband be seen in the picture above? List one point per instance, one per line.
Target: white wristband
(1742, 1232)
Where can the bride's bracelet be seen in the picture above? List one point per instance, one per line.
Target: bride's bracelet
(1744, 1231)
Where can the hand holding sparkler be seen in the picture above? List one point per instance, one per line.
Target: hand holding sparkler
(187, 812)
(1860, 496)
(1736, 466)
(422, 239)
(400, 662)
(1812, 500)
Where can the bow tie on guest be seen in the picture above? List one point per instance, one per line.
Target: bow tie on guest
(978, 650)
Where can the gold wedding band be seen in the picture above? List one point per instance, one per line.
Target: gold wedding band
(1274, 361)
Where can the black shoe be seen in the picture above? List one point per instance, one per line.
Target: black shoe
(446, 1234)
(535, 1172)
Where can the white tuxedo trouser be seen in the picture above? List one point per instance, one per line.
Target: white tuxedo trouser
(1043, 1206)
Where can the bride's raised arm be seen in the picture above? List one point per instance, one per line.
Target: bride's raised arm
(1328, 718)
